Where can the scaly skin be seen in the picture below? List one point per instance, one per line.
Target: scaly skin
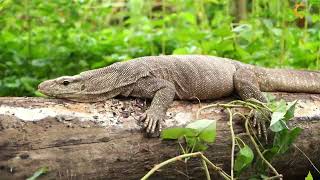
(185, 77)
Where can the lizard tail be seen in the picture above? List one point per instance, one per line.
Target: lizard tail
(286, 80)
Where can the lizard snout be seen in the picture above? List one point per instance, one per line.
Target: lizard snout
(44, 87)
(41, 86)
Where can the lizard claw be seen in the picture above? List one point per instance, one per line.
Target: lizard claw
(259, 122)
(152, 123)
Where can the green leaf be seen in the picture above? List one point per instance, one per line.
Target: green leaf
(279, 106)
(200, 125)
(196, 144)
(268, 154)
(290, 110)
(176, 133)
(282, 115)
(264, 176)
(309, 176)
(39, 94)
(4, 4)
(200, 147)
(188, 17)
(284, 139)
(244, 159)
(38, 173)
(314, 2)
(278, 126)
(276, 116)
(270, 97)
(206, 129)
(183, 50)
(242, 27)
(197, 134)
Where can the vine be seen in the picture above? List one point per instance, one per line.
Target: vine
(198, 134)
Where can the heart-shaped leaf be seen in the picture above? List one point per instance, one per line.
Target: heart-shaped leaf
(206, 129)
(290, 110)
(176, 133)
(244, 159)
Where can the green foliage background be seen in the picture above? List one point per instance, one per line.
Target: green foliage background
(45, 39)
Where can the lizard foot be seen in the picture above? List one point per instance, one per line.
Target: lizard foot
(260, 121)
(152, 123)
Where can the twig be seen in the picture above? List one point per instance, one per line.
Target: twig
(307, 158)
(247, 104)
(184, 152)
(261, 104)
(239, 139)
(216, 168)
(255, 137)
(206, 170)
(233, 142)
(217, 105)
(178, 158)
(274, 177)
(233, 104)
(258, 150)
(237, 113)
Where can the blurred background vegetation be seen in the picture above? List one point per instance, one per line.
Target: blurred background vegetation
(45, 39)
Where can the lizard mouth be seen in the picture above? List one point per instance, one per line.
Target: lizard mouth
(47, 88)
(50, 88)
(42, 88)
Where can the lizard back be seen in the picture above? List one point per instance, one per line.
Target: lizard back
(194, 76)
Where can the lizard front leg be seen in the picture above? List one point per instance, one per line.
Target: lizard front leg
(247, 86)
(162, 93)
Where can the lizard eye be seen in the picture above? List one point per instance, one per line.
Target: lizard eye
(65, 83)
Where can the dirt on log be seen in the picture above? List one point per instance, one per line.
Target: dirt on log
(104, 140)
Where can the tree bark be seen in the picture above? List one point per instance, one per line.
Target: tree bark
(104, 140)
(240, 10)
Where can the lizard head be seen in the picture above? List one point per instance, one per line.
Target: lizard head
(80, 88)
(94, 85)
(88, 86)
(62, 87)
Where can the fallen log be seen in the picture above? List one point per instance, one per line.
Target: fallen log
(104, 140)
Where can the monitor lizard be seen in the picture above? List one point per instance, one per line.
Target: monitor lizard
(186, 77)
